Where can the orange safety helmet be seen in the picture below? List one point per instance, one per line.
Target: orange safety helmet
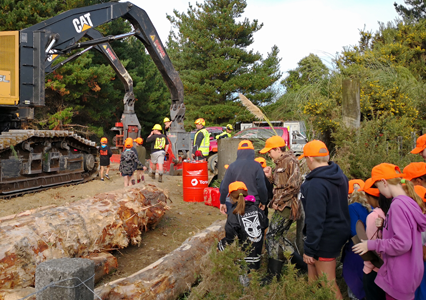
(128, 143)
(200, 121)
(104, 140)
(139, 140)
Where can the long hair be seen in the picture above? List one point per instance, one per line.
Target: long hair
(238, 197)
(359, 197)
(409, 190)
(384, 203)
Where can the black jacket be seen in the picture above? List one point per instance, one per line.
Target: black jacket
(325, 199)
(249, 229)
(158, 142)
(249, 171)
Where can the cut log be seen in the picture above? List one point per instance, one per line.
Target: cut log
(25, 213)
(105, 222)
(105, 263)
(169, 276)
(17, 294)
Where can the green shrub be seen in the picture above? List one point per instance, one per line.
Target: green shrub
(219, 280)
(376, 141)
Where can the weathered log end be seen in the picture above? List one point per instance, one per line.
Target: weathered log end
(170, 276)
(105, 263)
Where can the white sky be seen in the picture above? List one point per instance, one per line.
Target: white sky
(297, 27)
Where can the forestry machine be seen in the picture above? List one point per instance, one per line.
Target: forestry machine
(37, 159)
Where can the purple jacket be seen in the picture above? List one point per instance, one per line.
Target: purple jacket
(401, 249)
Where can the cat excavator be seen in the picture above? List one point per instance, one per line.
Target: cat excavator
(31, 160)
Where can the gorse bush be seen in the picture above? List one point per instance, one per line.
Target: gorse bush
(376, 141)
(219, 280)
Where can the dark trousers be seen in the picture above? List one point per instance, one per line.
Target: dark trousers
(372, 290)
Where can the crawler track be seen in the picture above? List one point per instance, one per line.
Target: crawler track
(34, 160)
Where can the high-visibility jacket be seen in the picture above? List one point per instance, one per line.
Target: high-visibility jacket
(223, 135)
(205, 143)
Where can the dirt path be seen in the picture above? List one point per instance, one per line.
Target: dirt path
(180, 222)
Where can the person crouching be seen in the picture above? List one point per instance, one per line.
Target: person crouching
(248, 222)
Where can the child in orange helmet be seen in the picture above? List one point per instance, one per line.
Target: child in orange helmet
(141, 157)
(128, 162)
(105, 154)
(401, 243)
(247, 222)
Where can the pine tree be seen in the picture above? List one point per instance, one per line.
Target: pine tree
(310, 70)
(210, 51)
(89, 85)
(415, 9)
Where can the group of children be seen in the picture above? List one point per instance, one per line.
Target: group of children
(387, 208)
(132, 160)
(394, 230)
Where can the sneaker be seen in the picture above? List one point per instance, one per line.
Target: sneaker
(133, 182)
(102, 179)
(107, 177)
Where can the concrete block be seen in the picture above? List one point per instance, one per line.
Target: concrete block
(65, 268)
(227, 154)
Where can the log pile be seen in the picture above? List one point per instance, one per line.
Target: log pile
(105, 222)
(170, 276)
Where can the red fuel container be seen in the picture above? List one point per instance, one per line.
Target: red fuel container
(195, 180)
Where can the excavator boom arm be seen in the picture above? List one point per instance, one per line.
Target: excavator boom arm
(61, 34)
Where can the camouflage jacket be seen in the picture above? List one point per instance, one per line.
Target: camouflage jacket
(128, 162)
(287, 181)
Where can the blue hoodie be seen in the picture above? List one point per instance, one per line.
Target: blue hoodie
(325, 199)
(249, 171)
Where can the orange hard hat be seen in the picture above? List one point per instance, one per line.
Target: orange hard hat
(420, 144)
(414, 170)
(104, 140)
(368, 189)
(128, 143)
(245, 144)
(139, 140)
(261, 160)
(352, 182)
(272, 143)
(385, 171)
(314, 148)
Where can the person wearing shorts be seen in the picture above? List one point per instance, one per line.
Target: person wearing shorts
(324, 195)
(159, 147)
(105, 154)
